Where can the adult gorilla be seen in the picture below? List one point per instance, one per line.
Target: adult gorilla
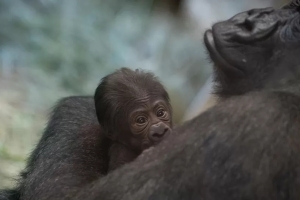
(247, 147)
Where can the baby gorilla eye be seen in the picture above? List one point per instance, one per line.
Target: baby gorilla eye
(160, 113)
(141, 120)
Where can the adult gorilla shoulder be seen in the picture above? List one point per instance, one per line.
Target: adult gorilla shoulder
(66, 145)
(71, 137)
(246, 147)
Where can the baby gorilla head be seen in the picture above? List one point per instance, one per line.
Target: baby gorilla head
(133, 108)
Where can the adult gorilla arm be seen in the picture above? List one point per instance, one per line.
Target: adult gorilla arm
(9, 194)
(65, 157)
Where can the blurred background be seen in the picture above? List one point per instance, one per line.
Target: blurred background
(51, 49)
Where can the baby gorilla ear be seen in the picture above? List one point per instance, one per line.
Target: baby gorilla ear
(111, 135)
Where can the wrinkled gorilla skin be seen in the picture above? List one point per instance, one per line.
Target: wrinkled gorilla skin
(244, 148)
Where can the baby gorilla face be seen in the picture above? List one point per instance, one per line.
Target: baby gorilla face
(133, 109)
(150, 122)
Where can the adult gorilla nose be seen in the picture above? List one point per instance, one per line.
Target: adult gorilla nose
(158, 131)
(251, 15)
(254, 25)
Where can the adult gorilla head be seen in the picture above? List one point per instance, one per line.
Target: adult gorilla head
(254, 48)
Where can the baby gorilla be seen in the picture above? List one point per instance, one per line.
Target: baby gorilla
(134, 111)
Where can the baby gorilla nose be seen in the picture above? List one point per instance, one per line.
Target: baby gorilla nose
(158, 131)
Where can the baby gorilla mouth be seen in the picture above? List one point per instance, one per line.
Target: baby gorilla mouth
(216, 57)
(157, 133)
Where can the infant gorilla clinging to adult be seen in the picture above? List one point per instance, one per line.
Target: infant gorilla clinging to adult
(134, 111)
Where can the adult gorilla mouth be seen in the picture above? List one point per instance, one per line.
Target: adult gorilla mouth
(216, 57)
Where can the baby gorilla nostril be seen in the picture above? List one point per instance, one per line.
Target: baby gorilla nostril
(158, 135)
(248, 25)
(158, 132)
(166, 129)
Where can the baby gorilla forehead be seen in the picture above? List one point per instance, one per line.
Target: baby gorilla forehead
(144, 93)
(148, 103)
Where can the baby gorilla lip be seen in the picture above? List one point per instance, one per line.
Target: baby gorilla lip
(147, 144)
(216, 56)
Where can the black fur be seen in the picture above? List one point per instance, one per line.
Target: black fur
(9, 195)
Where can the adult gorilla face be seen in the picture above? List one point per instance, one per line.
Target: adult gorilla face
(253, 47)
